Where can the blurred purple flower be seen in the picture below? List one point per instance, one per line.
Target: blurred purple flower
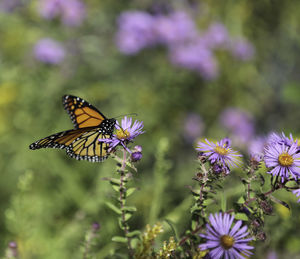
(49, 51)
(175, 28)
(72, 12)
(9, 5)
(239, 123)
(242, 49)
(193, 126)
(297, 193)
(224, 239)
(272, 255)
(96, 226)
(197, 57)
(136, 31)
(257, 145)
(216, 36)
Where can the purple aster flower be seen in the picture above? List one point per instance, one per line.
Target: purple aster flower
(193, 126)
(175, 28)
(257, 145)
(239, 123)
(49, 51)
(9, 5)
(220, 152)
(136, 31)
(50, 8)
(275, 138)
(297, 193)
(216, 36)
(197, 57)
(225, 240)
(283, 160)
(242, 49)
(124, 133)
(272, 255)
(72, 12)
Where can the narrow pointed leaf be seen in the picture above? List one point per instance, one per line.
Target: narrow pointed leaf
(119, 239)
(135, 233)
(241, 216)
(283, 203)
(113, 207)
(129, 208)
(130, 191)
(128, 216)
(174, 232)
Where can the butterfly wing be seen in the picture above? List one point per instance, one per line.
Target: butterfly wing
(81, 112)
(81, 144)
(59, 140)
(88, 147)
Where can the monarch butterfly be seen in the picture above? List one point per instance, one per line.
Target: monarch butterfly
(81, 143)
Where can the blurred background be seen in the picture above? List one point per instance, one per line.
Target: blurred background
(189, 69)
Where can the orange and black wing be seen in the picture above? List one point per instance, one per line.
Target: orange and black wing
(81, 144)
(88, 147)
(82, 113)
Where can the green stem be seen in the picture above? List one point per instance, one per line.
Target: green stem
(87, 245)
(123, 201)
(200, 199)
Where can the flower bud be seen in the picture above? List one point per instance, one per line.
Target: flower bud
(137, 149)
(13, 245)
(217, 168)
(96, 226)
(136, 156)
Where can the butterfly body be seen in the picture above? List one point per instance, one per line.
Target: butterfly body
(81, 143)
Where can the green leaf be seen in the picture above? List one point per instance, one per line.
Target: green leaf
(119, 239)
(130, 191)
(223, 202)
(195, 209)
(194, 224)
(241, 216)
(129, 208)
(283, 203)
(174, 232)
(116, 188)
(134, 233)
(113, 207)
(128, 216)
(208, 202)
(113, 181)
(121, 223)
(195, 193)
(241, 200)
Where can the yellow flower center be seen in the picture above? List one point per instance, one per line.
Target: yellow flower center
(221, 150)
(122, 134)
(227, 241)
(285, 159)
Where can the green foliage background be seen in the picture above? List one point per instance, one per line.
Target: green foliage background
(48, 200)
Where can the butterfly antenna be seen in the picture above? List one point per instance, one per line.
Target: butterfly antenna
(128, 114)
